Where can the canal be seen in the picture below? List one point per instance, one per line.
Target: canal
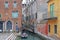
(31, 36)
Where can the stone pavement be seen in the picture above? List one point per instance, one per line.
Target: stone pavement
(3, 36)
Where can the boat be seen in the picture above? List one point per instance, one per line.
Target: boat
(24, 35)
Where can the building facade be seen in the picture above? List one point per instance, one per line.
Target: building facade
(30, 13)
(42, 26)
(54, 18)
(10, 15)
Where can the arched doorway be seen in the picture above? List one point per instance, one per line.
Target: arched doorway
(9, 25)
(1, 26)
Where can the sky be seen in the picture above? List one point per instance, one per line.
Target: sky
(24, 1)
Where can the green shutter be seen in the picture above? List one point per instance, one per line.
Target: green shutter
(52, 10)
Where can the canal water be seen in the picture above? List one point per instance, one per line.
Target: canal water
(31, 36)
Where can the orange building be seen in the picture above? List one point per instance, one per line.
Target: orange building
(10, 15)
(54, 18)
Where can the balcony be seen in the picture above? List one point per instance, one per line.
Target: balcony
(51, 18)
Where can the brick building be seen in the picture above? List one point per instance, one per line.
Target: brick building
(10, 15)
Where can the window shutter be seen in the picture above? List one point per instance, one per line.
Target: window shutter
(52, 10)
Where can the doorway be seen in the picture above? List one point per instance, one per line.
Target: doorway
(9, 25)
(1, 26)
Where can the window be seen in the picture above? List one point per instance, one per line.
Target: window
(27, 18)
(6, 4)
(52, 10)
(16, 23)
(14, 4)
(32, 16)
(45, 15)
(15, 14)
(49, 28)
(0, 15)
(36, 15)
(55, 29)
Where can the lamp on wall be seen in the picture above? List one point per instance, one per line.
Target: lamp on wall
(6, 14)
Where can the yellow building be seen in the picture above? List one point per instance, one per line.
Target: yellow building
(53, 17)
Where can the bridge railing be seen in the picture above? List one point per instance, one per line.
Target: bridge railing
(11, 37)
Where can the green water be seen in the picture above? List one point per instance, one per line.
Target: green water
(31, 36)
